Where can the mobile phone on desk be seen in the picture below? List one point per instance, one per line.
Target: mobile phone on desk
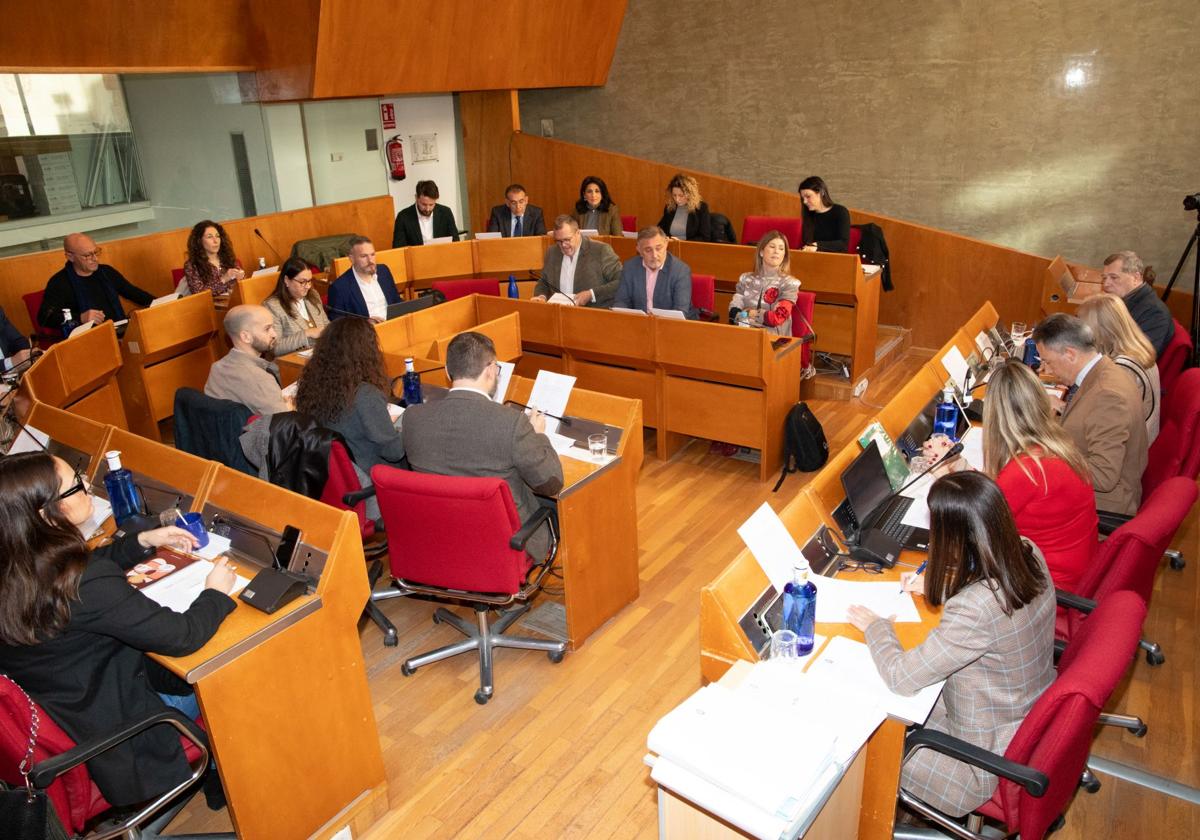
(287, 547)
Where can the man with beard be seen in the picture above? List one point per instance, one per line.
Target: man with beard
(244, 376)
(424, 219)
(469, 434)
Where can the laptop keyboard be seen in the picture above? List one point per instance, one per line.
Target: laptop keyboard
(894, 527)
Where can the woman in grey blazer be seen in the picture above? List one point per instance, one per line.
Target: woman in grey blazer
(296, 307)
(994, 646)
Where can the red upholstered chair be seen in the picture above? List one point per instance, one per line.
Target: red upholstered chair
(344, 490)
(44, 335)
(629, 223)
(1176, 450)
(1045, 760)
(855, 238)
(59, 767)
(470, 286)
(802, 315)
(484, 565)
(1174, 358)
(704, 296)
(755, 228)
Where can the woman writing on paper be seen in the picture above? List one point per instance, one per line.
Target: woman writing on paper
(1041, 473)
(994, 646)
(296, 307)
(767, 295)
(73, 631)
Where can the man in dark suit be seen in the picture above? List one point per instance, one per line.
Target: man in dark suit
(469, 434)
(1102, 410)
(365, 289)
(14, 347)
(516, 216)
(424, 219)
(667, 279)
(583, 269)
(90, 289)
(1125, 275)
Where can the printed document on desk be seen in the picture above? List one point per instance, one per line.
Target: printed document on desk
(178, 590)
(956, 365)
(883, 598)
(849, 662)
(29, 439)
(502, 380)
(772, 546)
(550, 394)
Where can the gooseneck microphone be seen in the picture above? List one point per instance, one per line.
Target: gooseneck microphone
(547, 281)
(278, 259)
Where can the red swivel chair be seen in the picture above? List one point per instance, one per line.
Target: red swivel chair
(855, 238)
(802, 325)
(1176, 450)
(59, 768)
(484, 565)
(344, 490)
(1045, 760)
(755, 228)
(471, 286)
(1174, 358)
(43, 335)
(629, 223)
(704, 296)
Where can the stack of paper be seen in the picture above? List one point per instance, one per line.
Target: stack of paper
(550, 394)
(849, 664)
(884, 598)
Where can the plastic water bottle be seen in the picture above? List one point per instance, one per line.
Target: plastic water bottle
(123, 494)
(512, 287)
(800, 608)
(68, 323)
(945, 419)
(262, 263)
(412, 383)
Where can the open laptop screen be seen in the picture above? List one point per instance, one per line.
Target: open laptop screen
(866, 482)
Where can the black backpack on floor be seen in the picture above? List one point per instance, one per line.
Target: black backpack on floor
(804, 447)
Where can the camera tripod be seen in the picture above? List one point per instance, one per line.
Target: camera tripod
(1194, 330)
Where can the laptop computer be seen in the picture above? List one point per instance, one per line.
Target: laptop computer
(866, 484)
(407, 307)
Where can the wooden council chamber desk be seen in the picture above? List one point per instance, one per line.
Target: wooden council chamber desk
(732, 597)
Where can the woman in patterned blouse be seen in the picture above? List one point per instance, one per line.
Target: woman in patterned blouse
(210, 264)
(767, 294)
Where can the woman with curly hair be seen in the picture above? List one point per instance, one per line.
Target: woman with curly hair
(344, 387)
(767, 294)
(595, 209)
(210, 262)
(686, 215)
(296, 307)
(74, 633)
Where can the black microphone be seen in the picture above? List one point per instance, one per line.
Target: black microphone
(546, 280)
(278, 259)
(876, 546)
(329, 309)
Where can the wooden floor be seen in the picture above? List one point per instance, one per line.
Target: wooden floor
(558, 751)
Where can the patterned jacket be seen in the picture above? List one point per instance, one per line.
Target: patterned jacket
(774, 296)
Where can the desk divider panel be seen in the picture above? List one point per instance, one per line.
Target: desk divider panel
(72, 369)
(902, 408)
(620, 337)
(253, 289)
(624, 246)
(540, 323)
(159, 332)
(433, 262)
(505, 333)
(510, 255)
(395, 336)
(77, 440)
(449, 318)
(160, 471)
(735, 355)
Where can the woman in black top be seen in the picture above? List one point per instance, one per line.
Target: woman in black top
(686, 215)
(825, 225)
(72, 628)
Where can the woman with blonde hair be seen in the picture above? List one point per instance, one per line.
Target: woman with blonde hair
(1120, 338)
(1042, 474)
(768, 294)
(686, 215)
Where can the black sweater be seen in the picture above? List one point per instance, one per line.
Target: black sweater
(92, 679)
(829, 231)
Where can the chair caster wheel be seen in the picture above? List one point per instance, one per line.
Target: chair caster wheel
(1155, 657)
(1092, 786)
(555, 656)
(1177, 562)
(1140, 732)
(391, 640)
(407, 670)
(482, 698)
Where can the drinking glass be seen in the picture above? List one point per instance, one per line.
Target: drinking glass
(1017, 333)
(783, 646)
(598, 445)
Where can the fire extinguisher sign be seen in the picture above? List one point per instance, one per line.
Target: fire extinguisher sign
(388, 112)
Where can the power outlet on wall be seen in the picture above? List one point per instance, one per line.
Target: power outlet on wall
(860, 387)
(547, 128)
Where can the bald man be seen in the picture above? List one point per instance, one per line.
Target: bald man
(87, 287)
(244, 376)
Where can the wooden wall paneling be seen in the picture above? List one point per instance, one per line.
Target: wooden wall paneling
(434, 262)
(540, 324)
(125, 36)
(284, 38)
(488, 120)
(147, 260)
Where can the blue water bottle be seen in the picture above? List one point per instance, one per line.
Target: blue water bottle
(800, 608)
(412, 383)
(945, 419)
(1030, 356)
(512, 287)
(123, 494)
(69, 324)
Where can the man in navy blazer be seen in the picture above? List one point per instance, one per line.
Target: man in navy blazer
(516, 216)
(671, 277)
(365, 289)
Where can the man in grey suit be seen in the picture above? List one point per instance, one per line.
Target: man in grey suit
(468, 434)
(667, 279)
(585, 270)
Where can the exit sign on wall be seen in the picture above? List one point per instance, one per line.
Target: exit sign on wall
(388, 112)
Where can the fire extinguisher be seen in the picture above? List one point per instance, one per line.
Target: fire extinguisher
(395, 156)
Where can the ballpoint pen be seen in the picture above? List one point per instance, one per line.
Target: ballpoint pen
(919, 570)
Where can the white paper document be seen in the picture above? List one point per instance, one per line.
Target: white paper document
(505, 376)
(179, 589)
(561, 443)
(772, 546)
(101, 510)
(217, 545)
(488, 235)
(550, 394)
(395, 412)
(984, 345)
(972, 443)
(439, 240)
(883, 598)
(627, 311)
(82, 328)
(956, 365)
(589, 231)
(629, 234)
(306, 354)
(673, 314)
(560, 299)
(917, 514)
(29, 439)
(271, 269)
(849, 663)
(159, 301)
